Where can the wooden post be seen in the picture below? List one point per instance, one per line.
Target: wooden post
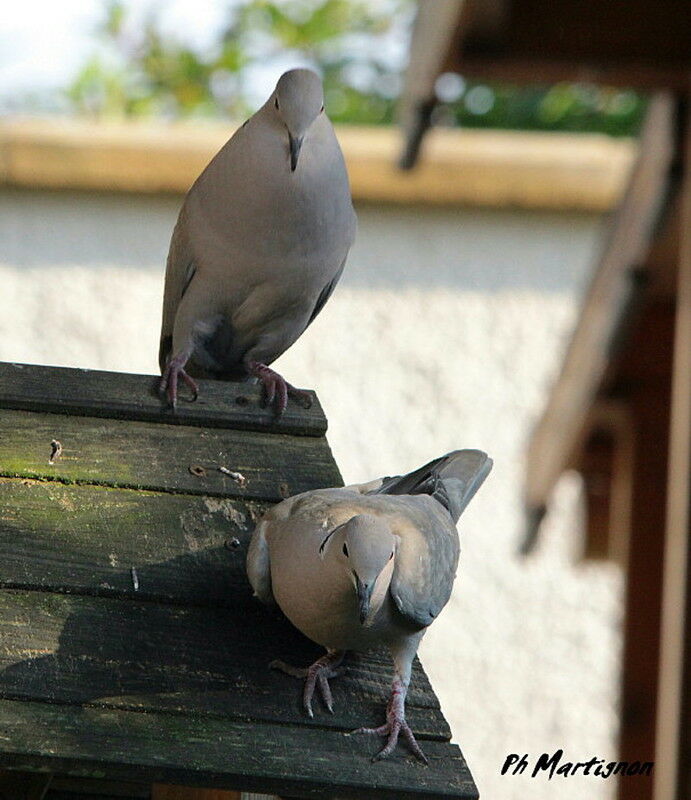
(646, 370)
(673, 752)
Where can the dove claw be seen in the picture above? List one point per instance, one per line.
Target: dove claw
(169, 380)
(277, 389)
(317, 674)
(395, 725)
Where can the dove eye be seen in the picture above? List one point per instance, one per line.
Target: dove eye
(276, 102)
(391, 556)
(345, 550)
(321, 109)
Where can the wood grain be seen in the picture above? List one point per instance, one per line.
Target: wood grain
(197, 662)
(88, 539)
(132, 649)
(144, 455)
(124, 396)
(223, 754)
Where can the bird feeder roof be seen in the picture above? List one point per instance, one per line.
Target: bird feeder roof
(132, 647)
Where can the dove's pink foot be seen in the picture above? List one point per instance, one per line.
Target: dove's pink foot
(276, 388)
(169, 380)
(395, 725)
(317, 675)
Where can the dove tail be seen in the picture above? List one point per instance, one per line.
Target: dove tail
(451, 480)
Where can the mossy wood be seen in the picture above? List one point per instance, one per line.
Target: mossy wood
(144, 455)
(132, 647)
(117, 395)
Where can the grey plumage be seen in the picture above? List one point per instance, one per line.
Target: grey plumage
(260, 242)
(369, 564)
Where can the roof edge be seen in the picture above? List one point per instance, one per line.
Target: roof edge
(585, 172)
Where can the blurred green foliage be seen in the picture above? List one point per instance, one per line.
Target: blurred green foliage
(561, 107)
(141, 71)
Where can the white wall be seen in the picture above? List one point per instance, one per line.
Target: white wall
(445, 332)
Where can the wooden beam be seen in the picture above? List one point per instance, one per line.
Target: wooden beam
(673, 754)
(563, 424)
(161, 791)
(597, 470)
(645, 374)
(606, 466)
(585, 172)
(23, 785)
(627, 44)
(434, 29)
(94, 789)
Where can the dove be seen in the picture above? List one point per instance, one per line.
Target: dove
(259, 245)
(366, 565)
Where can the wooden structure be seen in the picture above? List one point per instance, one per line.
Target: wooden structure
(617, 415)
(537, 170)
(620, 412)
(528, 41)
(133, 656)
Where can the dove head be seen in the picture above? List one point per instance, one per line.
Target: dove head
(298, 100)
(367, 549)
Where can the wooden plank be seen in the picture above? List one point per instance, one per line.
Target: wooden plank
(75, 788)
(119, 395)
(144, 455)
(88, 539)
(214, 753)
(81, 795)
(161, 791)
(61, 795)
(557, 434)
(673, 735)
(23, 786)
(433, 32)
(195, 662)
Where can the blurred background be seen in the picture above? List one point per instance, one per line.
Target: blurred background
(447, 330)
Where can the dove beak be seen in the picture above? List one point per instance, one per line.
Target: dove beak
(295, 145)
(364, 595)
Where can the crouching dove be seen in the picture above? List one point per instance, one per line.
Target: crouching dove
(260, 243)
(367, 565)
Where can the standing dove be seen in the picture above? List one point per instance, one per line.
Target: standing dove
(259, 245)
(367, 565)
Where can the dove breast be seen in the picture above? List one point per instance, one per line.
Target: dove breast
(319, 597)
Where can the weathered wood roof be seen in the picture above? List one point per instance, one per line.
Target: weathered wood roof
(636, 44)
(132, 648)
